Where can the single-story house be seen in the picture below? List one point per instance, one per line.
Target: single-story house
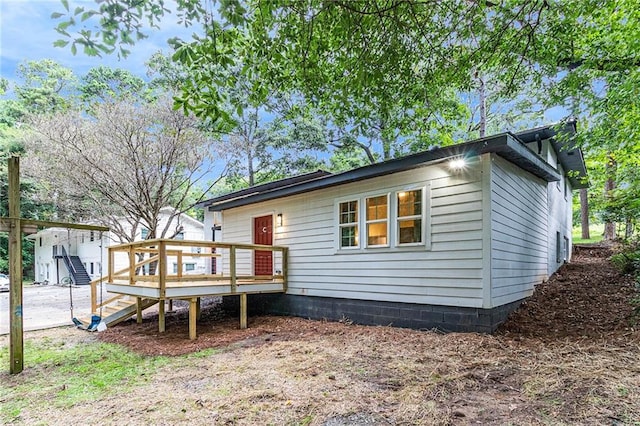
(453, 237)
(82, 256)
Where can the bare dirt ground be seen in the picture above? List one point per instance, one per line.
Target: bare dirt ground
(569, 355)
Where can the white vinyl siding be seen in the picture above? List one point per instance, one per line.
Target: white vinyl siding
(446, 269)
(518, 232)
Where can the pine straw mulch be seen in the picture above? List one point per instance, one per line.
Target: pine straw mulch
(586, 299)
(568, 355)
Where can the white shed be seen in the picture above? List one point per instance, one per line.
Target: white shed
(453, 238)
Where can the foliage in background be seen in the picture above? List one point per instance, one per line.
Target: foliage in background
(126, 162)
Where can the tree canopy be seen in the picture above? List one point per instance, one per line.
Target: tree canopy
(395, 62)
(393, 76)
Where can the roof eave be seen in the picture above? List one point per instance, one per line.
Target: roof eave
(506, 145)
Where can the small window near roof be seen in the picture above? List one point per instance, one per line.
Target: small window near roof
(410, 208)
(348, 224)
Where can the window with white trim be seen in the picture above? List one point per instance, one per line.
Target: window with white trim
(409, 217)
(348, 224)
(377, 221)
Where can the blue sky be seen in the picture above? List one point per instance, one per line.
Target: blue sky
(27, 33)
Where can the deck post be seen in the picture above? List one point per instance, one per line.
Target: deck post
(139, 310)
(111, 266)
(193, 308)
(132, 266)
(285, 268)
(170, 305)
(162, 277)
(243, 310)
(161, 325)
(94, 296)
(232, 267)
(198, 312)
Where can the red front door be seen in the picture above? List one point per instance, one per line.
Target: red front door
(263, 234)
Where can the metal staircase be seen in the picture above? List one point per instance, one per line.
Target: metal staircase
(74, 266)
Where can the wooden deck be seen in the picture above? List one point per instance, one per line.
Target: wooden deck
(146, 277)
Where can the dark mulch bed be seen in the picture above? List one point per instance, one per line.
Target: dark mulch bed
(587, 298)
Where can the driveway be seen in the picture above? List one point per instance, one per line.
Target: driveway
(47, 306)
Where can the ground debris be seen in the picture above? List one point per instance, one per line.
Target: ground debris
(586, 299)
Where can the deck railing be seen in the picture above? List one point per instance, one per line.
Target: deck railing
(159, 262)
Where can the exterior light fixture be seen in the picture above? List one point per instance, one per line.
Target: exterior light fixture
(279, 220)
(457, 164)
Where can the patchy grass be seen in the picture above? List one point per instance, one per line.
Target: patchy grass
(66, 370)
(320, 373)
(596, 232)
(547, 365)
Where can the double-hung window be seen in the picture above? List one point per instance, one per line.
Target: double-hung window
(349, 224)
(377, 221)
(409, 217)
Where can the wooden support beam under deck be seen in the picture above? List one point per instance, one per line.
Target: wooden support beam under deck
(243, 310)
(193, 313)
(139, 310)
(161, 326)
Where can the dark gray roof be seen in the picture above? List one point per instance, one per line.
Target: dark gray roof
(562, 139)
(507, 145)
(243, 193)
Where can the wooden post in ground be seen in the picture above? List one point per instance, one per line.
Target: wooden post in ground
(162, 278)
(243, 310)
(198, 310)
(193, 311)
(15, 225)
(15, 270)
(139, 310)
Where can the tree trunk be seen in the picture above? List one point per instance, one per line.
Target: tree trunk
(250, 171)
(628, 231)
(482, 125)
(584, 213)
(609, 186)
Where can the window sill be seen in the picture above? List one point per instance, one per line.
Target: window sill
(383, 249)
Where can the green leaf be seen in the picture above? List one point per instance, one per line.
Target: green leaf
(60, 43)
(65, 3)
(56, 15)
(74, 49)
(88, 14)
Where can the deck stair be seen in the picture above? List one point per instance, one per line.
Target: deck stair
(119, 308)
(138, 285)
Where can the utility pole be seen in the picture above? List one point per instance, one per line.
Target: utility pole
(15, 269)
